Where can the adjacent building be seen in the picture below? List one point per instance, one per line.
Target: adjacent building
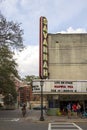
(24, 92)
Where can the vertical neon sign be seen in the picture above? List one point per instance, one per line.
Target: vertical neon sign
(43, 49)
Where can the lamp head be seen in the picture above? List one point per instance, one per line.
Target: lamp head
(41, 82)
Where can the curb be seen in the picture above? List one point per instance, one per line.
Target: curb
(34, 119)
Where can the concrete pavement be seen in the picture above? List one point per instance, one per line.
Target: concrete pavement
(34, 116)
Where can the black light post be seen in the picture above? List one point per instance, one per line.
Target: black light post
(41, 84)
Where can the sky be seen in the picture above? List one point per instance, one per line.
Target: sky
(64, 16)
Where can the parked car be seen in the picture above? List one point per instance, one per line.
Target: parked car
(39, 108)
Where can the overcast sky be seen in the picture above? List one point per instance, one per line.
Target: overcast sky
(62, 15)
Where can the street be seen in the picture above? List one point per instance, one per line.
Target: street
(13, 120)
(8, 125)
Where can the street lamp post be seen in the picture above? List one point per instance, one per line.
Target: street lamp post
(41, 84)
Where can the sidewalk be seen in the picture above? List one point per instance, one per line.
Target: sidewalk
(34, 116)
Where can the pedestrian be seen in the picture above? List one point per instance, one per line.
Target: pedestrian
(78, 109)
(74, 109)
(69, 110)
(24, 110)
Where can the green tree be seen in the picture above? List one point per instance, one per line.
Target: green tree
(7, 70)
(10, 39)
(10, 33)
(30, 78)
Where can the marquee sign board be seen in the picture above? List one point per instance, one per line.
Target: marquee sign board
(60, 86)
(43, 49)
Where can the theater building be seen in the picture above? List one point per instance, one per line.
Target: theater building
(62, 66)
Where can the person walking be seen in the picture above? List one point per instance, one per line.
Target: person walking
(74, 109)
(78, 109)
(69, 110)
(24, 110)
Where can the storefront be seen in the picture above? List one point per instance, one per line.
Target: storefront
(58, 93)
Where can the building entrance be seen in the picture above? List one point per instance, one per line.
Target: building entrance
(63, 100)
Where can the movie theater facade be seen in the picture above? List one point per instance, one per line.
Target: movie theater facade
(62, 66)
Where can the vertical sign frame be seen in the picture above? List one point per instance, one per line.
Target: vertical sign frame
(43, 48)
